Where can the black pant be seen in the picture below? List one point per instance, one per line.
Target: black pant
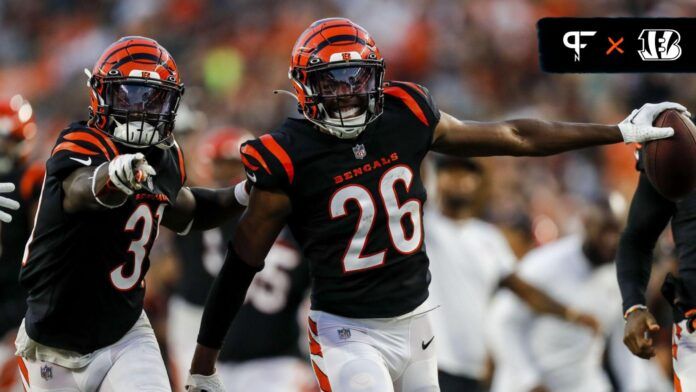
(451, 383)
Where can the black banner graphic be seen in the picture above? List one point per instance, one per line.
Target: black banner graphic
(580, 45)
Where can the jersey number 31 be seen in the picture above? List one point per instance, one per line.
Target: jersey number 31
(138, 247)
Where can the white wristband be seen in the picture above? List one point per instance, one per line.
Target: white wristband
(94, 190)
(241, 194)
(633, 309)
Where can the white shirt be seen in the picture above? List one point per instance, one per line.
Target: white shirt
(468, 259)
(531, 349)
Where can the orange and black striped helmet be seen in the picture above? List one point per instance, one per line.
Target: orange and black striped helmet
(136, 90)
(337, 72)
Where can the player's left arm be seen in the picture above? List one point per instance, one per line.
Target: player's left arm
(255, 234)
(531, 137)
(205, 208)
(541, 302)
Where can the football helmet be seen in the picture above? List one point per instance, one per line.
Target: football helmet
(219, 157)
(223, 144)
(17, 132)
(135, 93)
(337, 72)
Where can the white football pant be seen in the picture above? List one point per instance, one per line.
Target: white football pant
(373, 355)
(134, 363)
(683, 358)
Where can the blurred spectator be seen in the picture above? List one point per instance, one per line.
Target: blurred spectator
(469, 261)
(538, 353)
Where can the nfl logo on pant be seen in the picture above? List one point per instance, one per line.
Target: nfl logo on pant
(46, 372)
(344, 333)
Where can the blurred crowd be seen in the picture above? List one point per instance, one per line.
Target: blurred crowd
(478, 58)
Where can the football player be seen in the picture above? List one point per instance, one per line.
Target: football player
(346, 180)
(648, 216)
(535, 353)
(272, 303)
(17, 133)
(471, 259)
(109, 184)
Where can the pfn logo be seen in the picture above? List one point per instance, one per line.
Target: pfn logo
(575, 43)
(660, 45)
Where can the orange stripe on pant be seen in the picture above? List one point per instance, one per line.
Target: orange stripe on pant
(323, 380)
(677, 383)
(313, 326)
(23, 370)
(314, 346)
(315, 349)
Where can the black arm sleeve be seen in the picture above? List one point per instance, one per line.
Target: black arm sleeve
(214, 207)
(225, 298)
(649, 214)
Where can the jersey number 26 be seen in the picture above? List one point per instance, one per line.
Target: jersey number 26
(354, 259)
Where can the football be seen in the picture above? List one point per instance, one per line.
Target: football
(670, 163)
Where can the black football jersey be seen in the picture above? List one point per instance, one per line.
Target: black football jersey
(272, 302)
(13, 236)
(356, 203)
(84, 271)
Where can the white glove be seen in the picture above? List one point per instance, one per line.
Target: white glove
(6, 202)
(128, 172)
(638, 126)
(201, 383)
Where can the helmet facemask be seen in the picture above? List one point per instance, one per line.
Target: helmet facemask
(344, 99)
(141, 112)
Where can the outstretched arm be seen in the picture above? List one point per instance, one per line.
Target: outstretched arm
(540, 302)
(205, 208)
(529, 137)
(106, 186)
(255, 234)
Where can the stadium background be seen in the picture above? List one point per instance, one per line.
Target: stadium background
(477, 57)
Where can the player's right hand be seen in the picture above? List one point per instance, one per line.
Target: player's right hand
(201, 383)
(640, 326)
(129, 171)
(6, 202)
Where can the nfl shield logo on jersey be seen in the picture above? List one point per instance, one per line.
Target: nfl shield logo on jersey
(46, 372)
(344, 333)
(359, 151)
